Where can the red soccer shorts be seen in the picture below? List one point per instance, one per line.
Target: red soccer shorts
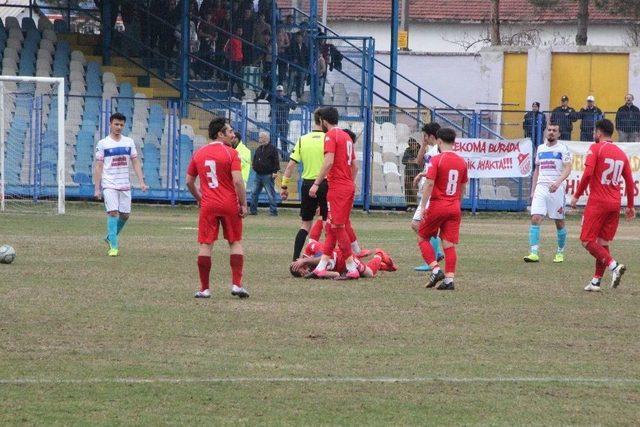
(209, 226)
(340, 203)
(445, 220)
(599, 222)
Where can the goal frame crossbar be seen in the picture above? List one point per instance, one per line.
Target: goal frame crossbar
(61, 173)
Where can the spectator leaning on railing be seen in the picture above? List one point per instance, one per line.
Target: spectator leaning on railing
(564, 116)
(299, 55)
(628, 121)
(589, 115)
(530, 123)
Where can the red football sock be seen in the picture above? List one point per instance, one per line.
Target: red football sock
(204, 268)
(374, 264)
(330, 243)
(450, 260)
(599, 252)
(236, 262)
(350, 232)
(316, 230)
(343, 242)
(428, 254)
(601, 267)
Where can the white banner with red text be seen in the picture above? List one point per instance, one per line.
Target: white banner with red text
(579, 150)
(496, 158)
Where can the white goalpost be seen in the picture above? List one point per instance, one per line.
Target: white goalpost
(32, 144)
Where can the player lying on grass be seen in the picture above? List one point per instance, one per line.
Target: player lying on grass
(337, 267)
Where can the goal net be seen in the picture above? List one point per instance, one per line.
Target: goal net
(32, 146)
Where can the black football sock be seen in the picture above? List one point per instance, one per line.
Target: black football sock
(301, 237)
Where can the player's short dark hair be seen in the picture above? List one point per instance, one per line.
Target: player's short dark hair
(351, 135)
(117, 116)
(605, 126)
(294, 273)
(447, 135)
(216, 126)
(431, 128)
(330, 114)
(554, 122)
(238, 135)
(316, 117)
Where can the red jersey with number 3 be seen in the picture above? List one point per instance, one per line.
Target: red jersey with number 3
(608, 166)
(213, 164)
(448, 171)
(339, 176)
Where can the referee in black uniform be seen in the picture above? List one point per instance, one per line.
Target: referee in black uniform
(309, 151)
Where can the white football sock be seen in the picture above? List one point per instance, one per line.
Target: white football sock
(355, 247)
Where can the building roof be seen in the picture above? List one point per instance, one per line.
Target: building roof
(456, 11)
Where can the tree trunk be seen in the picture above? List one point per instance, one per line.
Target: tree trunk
(495, 23)
(583, 22)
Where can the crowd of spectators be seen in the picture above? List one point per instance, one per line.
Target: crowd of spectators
(225, 37)
(627, 120)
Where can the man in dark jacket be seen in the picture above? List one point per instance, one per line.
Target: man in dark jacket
(530, 124)
(298, 55)
(282, 107)
(589, 114)
(564, 116)
(266, 165)
(628, 121)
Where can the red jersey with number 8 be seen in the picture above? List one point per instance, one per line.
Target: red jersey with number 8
(339, 176)
(213, 164)
(608, 166)
(448, 171)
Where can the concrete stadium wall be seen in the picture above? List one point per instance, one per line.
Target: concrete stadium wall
(450, 37)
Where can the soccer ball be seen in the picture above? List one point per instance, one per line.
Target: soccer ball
(7, 254)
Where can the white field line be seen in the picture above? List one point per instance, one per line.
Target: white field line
(325, 380)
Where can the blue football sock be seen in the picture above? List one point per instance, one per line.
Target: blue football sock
(121, 223)
(112, 231)
(562, 239)
(534, 238)
(436, 244)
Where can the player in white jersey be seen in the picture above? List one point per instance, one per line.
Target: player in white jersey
(112, 158)
(428, 149)
(553, 166)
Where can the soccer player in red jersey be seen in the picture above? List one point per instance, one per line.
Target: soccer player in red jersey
(223, 202)
(606, 166)
(339, 168)
(443, 189)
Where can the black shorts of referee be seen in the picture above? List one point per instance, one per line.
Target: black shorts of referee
(309, 205)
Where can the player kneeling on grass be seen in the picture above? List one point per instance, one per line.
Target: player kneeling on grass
(223, 201)
(111, 172)
(443, 189)
(606, 166)
(337, 267)
(553, 166)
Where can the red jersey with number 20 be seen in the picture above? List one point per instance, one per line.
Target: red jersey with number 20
(448, 171)
(339, 176)
(606, 166)
(213, 164)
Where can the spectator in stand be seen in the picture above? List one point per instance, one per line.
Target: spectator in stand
(236, 15)
(207, 7)
(266, 166)
(284, 41)
(219, 13)
(336, 58)
(530, 124)
(266, 61)
(411, 169)
(282, 105)
(260, 28)
(233, 51)
(322, 77)
(208, 48)
(264, 7)
(290, 25)
(628, 121)
(298, 55)
(564, 116)
(247, 29)
(589, 114)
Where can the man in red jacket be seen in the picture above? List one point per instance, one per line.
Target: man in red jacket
(233, 50)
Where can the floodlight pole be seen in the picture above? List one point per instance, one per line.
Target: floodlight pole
(393, 54)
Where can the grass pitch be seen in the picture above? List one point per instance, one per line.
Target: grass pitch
(90, 339)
